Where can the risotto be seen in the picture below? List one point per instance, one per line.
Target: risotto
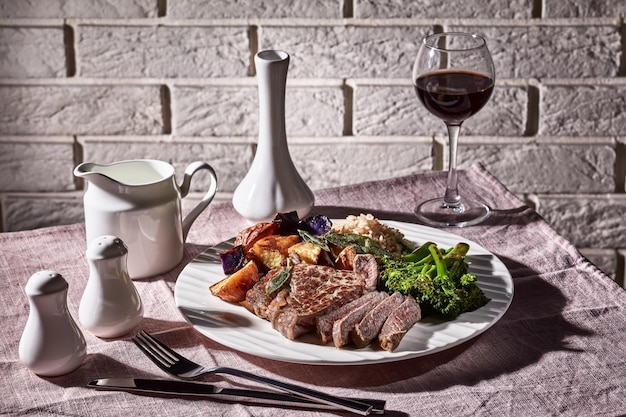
(387, 237)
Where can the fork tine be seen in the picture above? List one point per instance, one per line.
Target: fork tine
(160, 354)
(167, 352)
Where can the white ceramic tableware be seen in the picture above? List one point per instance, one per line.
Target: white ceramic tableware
(111, 305)
(51, 344)
(273, 184)
(139, 201)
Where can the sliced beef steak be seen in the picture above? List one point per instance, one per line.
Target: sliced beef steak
(369, 327)
(257, 299)
(324, 323)
(313, 290)
(398, 323)
(344, 326)
(366, 265)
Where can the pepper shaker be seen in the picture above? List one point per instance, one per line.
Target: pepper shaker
(110, 306)
(51, 344)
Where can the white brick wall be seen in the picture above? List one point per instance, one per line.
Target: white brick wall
(173, 79)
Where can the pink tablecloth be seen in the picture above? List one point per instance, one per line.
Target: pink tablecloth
(559, 350)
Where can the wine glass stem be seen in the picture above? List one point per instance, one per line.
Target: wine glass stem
(452, 197)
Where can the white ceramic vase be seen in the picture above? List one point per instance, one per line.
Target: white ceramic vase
(51, 344)
(273, 184)
(110, 306)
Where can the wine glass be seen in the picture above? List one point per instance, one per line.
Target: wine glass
(453, 76)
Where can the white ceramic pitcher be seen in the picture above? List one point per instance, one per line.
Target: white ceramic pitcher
(140, 202)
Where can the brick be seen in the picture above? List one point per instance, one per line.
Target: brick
(80, 109)
(396, 110)
(230, 160)
(215, 111)
(78, 9)
(582, 110)
(25, 212)
(546, 167)
(346, 51)
(314, 111)
(591, 221)
(552, 51)
(37, 165)
(212, 9)
(325, 165)
(584, 8)
(161, 51)
(234, 111)
(390, 110)
(484, 9)
(32, 52)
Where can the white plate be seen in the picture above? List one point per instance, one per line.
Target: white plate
(236, 328)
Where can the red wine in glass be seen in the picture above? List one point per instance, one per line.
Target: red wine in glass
(454, 95)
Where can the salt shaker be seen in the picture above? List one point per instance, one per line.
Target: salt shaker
(110, 306)
(51, 344)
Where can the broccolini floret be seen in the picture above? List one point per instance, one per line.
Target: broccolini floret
(439, 280)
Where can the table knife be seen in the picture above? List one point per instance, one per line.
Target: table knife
(199, 389)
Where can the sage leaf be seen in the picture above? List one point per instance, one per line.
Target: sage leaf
(278, 281)
(307, 237)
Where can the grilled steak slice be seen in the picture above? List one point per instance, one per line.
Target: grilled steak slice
(343, 326)
(324, 323)
(313, 290)
(257, 299)
(369, 327)
(366, 265)
(290, 324)
(398, 323)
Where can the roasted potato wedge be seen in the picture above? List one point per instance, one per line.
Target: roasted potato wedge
(250, 235)
(335, 251)
(345, 258)
(233, 288)
(272, 250)
(307, 251)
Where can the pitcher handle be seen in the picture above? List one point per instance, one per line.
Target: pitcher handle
(206, 200)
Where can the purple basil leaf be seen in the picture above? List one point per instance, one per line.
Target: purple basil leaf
(316, 225)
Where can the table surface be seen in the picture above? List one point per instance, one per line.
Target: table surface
(560, 349)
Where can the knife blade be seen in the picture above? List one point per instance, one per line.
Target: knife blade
(200, 389)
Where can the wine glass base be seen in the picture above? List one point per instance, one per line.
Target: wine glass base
(437, 212)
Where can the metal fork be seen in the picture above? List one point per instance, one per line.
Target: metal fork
(177, 365)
